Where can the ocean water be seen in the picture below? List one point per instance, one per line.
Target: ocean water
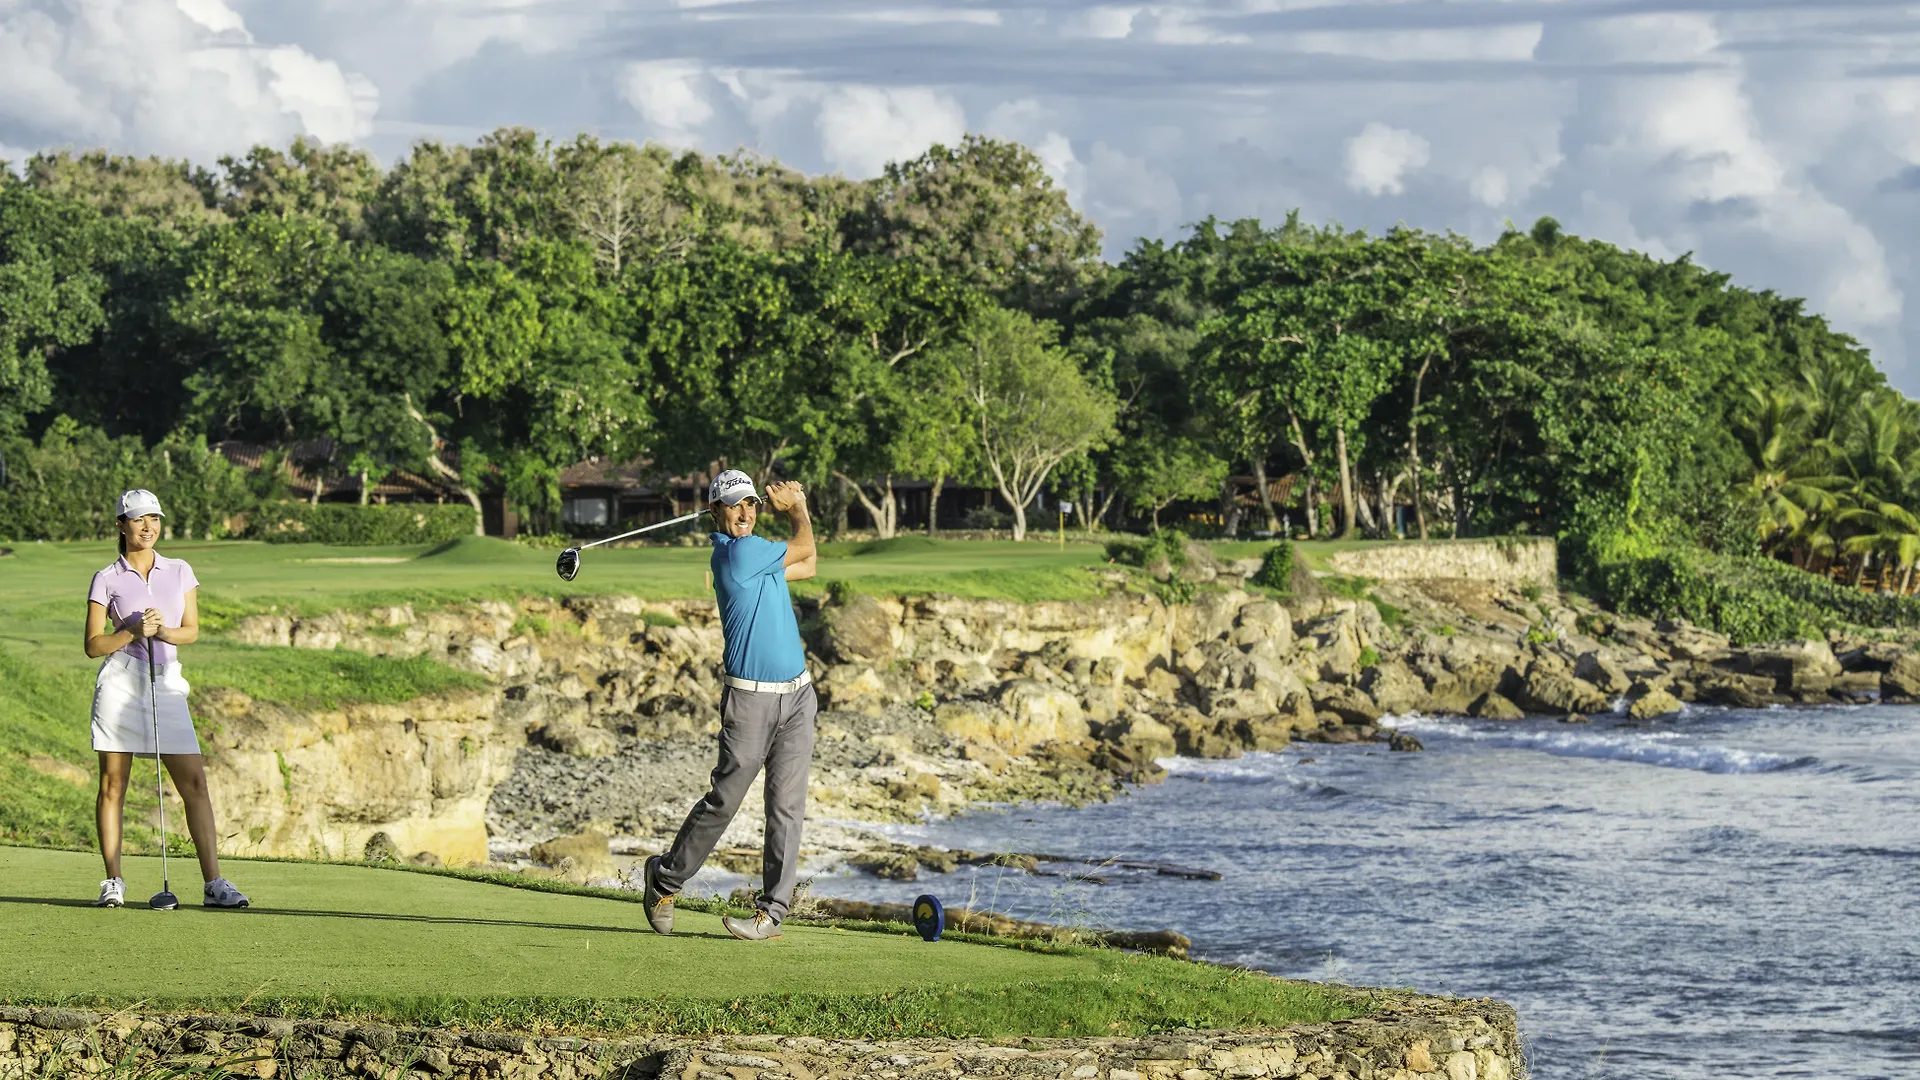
(1731, 893)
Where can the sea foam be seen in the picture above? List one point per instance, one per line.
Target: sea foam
(1663, 749)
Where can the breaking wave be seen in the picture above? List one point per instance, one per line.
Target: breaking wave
(1663, 749)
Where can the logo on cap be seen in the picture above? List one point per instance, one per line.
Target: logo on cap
(730, 487)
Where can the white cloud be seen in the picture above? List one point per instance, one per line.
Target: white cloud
(862, 128)
(1768, 146)
(167, 77)
(1380, 157)
(669, 95)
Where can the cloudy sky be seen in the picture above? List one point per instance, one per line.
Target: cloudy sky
(1778, 140)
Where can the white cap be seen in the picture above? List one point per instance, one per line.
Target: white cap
(139, 503)
(730, 487)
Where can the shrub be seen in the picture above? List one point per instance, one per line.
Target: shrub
(1749, 599)
(64, 488)
(352, 524)
(1168, 544)
(986, 518)
(1276, 568)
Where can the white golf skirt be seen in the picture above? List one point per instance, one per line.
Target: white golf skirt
(124, 714)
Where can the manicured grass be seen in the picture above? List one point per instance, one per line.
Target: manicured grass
(326, 680)
(360, 942)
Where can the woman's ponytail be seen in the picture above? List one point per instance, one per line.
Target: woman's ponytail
(123, 539)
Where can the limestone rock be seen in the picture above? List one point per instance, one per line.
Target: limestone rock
(1606, 675)
(890, 865)
(1492, 706)
(1039, 713)
(1349, 703)
(380, 849)
(1655, 703)
(860, 631)
(580, 740)
(1733, 694)
(1100, 703)
(1901, 681)
(583, 854)
(1689, 642)
(1550, 689)
(1264, 621)
(1795, 665)
(1142, 733)
(1397, 690)
(1269, 733)
(987, 754)
(1404, 742)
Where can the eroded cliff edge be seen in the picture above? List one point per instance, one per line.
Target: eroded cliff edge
(602, 709)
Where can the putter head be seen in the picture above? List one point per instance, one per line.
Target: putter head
(163, 901)
(568, 564)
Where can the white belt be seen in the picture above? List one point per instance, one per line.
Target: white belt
(787, 687)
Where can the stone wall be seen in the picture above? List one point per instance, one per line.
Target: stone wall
(1415, 1039)
(1513, 562)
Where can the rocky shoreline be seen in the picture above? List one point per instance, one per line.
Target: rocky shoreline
(600, 727)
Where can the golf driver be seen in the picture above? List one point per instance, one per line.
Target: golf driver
(164, 900)
(569, 562)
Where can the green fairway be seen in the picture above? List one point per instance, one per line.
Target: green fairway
(359, 941)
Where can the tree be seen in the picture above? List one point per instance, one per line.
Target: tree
(1309, 337)
(249, 323)
(173, 194)
(1032, 406)
(1155, 472)
(331, 183)
(626, 202)
(51, 294)
(546, 371)
(986, 212)
(1778, 487)
(382, 320)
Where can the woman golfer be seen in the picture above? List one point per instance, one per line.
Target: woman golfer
(141, 609)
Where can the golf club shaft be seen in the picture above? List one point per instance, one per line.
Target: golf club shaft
(644, 528)
(159, 782)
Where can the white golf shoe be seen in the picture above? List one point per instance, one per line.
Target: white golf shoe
(220, 893)
(113, 893)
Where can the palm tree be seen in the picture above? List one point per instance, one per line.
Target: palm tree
(1784, 482)
(1887, 529)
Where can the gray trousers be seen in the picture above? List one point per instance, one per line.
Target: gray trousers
(756, 729)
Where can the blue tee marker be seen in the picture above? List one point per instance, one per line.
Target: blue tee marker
(929, 917)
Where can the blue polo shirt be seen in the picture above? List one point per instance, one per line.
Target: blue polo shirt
(756, 611)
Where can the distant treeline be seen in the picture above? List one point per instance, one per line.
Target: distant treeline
(490, 314)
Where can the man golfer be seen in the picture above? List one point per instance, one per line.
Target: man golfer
(766, 710)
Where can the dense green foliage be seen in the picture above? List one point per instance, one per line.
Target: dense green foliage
(489, 315)
(1276, 567)
(1748, 598)
(345, 523)
(64, 486)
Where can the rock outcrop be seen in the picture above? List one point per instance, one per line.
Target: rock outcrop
(604, 707)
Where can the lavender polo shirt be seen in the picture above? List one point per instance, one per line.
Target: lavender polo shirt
(126, 594)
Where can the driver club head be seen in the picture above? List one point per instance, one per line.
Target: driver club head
(163, 901)
(568, 564)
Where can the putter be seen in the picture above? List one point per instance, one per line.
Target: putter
(569, 562)
(164, 900)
